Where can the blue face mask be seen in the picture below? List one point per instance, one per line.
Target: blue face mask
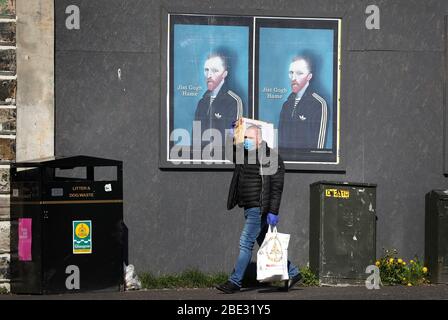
(249, 144)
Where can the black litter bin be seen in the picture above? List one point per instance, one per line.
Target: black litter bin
(342, 231)
(436, 235)
(67, 230)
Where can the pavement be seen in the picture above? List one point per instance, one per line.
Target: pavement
(425, 292)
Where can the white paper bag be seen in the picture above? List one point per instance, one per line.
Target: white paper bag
(267, 130)
(272, 257)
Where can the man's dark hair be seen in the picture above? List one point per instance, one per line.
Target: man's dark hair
(305, 58)
(223, 58)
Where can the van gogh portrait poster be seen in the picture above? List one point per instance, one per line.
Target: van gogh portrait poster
(285, 71)
(299, 94)
(297, 86)
(210, 75)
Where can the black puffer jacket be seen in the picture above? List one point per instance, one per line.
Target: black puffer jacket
(269, 186)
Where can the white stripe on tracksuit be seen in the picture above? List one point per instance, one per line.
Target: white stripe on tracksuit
(323, 121)
(239, 103)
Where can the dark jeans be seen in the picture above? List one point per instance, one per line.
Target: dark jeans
(255, 229)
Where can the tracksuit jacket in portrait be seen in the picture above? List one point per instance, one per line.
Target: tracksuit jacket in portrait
(303, 126)
(219, 114)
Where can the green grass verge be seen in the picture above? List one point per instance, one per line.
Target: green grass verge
(196, 279)
(187, 279)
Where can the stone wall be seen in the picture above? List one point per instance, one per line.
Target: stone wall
(26, 127)
(8, 89)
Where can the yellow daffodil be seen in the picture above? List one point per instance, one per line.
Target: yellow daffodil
(409, 284)
(404, 263)
(391, 260)
(425, 269)
(412, 261)
(377, 263)
(400, 260)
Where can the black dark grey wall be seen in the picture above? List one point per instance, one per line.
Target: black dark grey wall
(392, 124)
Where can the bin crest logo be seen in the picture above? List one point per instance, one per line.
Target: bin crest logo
(82, 236)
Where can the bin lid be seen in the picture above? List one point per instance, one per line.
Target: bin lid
(67, 162)
(345, 183)
(441, 193)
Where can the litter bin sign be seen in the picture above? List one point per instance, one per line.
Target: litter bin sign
(67, 230)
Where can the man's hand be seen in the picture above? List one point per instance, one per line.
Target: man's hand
(272, 219)
(232, 128)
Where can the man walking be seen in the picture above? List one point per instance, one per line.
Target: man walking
(258, 189)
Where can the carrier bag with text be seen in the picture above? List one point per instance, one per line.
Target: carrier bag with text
(272, 257)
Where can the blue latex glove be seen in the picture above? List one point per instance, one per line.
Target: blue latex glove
(272, 219)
